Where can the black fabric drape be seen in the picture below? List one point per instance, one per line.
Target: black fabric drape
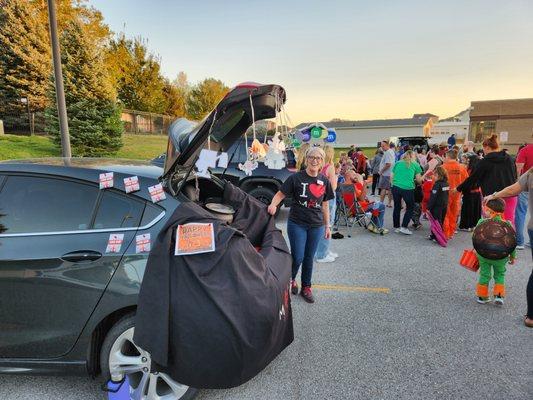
(215, 320)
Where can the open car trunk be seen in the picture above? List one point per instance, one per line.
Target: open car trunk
(223, 126)
(216, 319)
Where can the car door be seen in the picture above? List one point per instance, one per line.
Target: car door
(53, 261)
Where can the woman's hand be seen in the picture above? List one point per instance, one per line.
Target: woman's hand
(272, 209)
(488, 198)
(327, 233)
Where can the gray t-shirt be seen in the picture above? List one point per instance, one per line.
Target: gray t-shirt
(526, 183)
(388, 158)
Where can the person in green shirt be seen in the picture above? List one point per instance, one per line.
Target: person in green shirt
(404, 174)
(494, 209)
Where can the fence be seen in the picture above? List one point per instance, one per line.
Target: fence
(25, 123)
(33, 122)
(145, 122)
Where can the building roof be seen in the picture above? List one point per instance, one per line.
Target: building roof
(416, 120)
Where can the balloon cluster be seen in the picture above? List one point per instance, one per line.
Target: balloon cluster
(313, 132)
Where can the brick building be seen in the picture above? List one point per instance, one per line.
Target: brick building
(495, 116)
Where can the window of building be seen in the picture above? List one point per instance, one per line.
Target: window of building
(481, 129)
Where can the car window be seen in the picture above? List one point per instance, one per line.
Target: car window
(32, 204)
(118, 211)
(151, 212)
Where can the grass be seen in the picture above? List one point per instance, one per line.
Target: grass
(139, 147)
(368, 151)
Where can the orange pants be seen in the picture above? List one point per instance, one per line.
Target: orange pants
(452, 213)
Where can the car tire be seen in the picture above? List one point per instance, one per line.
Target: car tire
(263, 194)
(144, 383)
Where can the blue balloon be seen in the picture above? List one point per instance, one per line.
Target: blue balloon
(332, 136)
(306, 136)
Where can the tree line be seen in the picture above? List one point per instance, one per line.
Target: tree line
(103, 73)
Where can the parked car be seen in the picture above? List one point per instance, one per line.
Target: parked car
(400, 141)
(264, 182)
(67, 305)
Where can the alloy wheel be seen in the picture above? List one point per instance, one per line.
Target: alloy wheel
(126, 359)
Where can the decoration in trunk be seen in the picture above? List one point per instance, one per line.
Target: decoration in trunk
(274, 157)
(210, 159)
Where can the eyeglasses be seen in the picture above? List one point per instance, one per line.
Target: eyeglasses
(314, 158)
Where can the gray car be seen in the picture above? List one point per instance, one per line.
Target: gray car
(68, 292)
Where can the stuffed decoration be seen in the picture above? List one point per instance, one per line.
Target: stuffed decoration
(248, 167)
(274, 158)
(257, 151)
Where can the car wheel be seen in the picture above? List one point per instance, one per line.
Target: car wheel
(121, 357)
(263, 194)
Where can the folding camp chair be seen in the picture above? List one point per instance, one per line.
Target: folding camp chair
(350, 213)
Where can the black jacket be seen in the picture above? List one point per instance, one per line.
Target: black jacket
(215, 320)
(493, 173)
(439, 196)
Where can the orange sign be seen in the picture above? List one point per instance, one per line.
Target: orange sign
(194, 239)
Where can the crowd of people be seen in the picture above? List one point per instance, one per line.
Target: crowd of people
(454, 185)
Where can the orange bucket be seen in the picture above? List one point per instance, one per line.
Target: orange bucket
(469, 260)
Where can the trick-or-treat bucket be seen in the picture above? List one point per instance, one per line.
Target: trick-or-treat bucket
(469, 260)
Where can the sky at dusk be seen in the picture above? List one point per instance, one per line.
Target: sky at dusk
(344, 59)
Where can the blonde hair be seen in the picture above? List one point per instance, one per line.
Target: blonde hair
(329, 154)
(408, 157)
(314, 150)
(302, 153)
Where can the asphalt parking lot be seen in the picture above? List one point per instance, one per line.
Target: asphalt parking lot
(395, 318)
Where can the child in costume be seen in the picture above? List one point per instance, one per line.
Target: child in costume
(494, 210)
(438, 199)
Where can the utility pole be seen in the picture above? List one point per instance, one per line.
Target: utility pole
(60, 91)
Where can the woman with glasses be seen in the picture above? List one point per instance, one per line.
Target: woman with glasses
(308, 217)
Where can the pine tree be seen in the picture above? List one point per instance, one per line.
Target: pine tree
(93, 115)
(25, 60)
(204, 97)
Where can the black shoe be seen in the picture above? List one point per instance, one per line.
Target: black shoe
(294, 287)
(337, 235)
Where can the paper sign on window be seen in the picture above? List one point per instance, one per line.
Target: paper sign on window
(504, 136)
(157, 193)
(106, 180)
(142, 243)
(194, 239)
(131, 184)
(114, 243)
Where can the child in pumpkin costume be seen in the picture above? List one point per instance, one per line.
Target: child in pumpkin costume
(494, 209)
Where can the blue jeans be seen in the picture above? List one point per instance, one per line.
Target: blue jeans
(378, 220)
(323, 246)
(304, 241)
(520, 217)
(408, 195)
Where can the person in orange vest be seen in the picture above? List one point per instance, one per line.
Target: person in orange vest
(457, 173)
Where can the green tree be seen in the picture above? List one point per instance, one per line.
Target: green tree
(25, 60)
(204, 97)
(136, 75)
(93, 115)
